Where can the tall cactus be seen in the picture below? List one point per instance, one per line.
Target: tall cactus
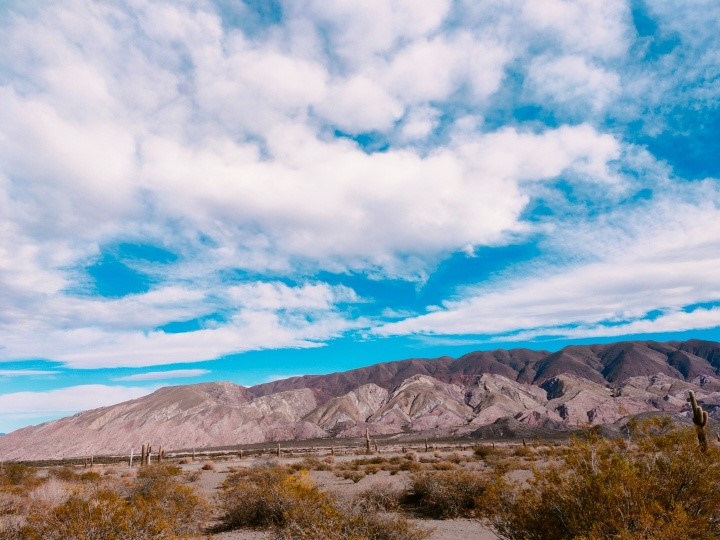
(700, 419)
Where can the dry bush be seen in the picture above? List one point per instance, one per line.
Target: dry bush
(662, 488)
(10, 503)
(380, 497)
(355, 476)
(51, 493)
(522, 451)
(338, 525)
(295, 509)
(192, 476)
(18, 478)
(261, 497)
(9, 530)
(68, 474)
(450, 494)
(483, 451)
(156, 506)
(312, 464)
(444, 466)
(208, 466)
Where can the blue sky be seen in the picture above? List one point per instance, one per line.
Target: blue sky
(238, 190)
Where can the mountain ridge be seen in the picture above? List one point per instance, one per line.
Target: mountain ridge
(578, 385)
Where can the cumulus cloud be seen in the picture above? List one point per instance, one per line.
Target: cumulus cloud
(247, 151)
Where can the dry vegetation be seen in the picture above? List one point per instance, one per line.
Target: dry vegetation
(654, 485)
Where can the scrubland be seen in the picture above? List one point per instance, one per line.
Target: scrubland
(653, 484)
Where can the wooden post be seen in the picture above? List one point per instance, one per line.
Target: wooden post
(160, 455)
(131, 457)
(193, 456)
(426, 445)
(367, 440)
(278, 450)
(92, 461)
(241, 453)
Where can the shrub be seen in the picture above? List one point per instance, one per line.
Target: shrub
(662, 488)
(295, 509)
(522, 451)
(449, 494)
(483, 451)
(379, 497)
(157, 506)
(18, 478)
(355, 476)
(265, 497)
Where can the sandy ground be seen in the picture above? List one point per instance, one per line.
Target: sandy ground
(450, 529)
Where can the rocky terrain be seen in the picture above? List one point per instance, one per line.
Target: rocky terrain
(577, 386)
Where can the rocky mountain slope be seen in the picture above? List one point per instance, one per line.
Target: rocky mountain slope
(579, 385)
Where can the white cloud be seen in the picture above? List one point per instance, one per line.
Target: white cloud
(666, 261)
(359, 104)
(115, 333)
(9, 373)
(672, 321)
(67, 400)
(419, 123)
(571, 81)
(375, 27)
(600, 29)
(164, 375)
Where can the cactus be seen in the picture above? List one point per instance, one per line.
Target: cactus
(367, 440)
(700, 419)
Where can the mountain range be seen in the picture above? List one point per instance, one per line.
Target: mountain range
(578, 385)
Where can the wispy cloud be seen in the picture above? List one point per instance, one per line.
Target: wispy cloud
(27, 373)
(164, 375)
(67, 400)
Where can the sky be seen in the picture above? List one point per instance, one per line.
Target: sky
(249, 190)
